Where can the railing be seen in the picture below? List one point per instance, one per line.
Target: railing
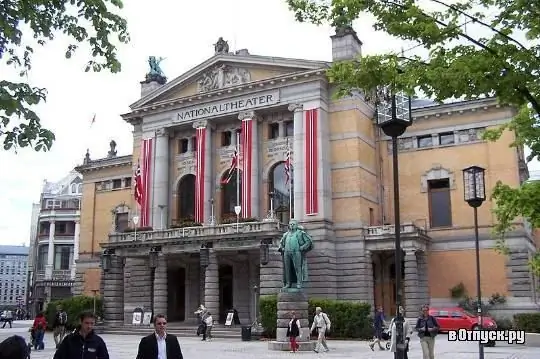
(200, 231)
(61, 274)
(390, 230)
(40, 275)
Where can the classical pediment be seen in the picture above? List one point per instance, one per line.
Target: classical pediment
(226, 70)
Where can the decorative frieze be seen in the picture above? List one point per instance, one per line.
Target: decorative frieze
(463, 136)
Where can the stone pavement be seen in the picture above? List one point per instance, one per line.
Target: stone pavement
(125, 347)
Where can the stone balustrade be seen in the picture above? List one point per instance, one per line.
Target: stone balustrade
(198, 231)
(390, 230)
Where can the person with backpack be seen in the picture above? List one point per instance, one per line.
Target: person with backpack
(39, 327)
(427, 328)
(59, 325)
(322, 323)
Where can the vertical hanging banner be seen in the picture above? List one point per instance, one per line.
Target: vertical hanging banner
(311, 160)
(247, 158)
(200, 140)
(147, 147)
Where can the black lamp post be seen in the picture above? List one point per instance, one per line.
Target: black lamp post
(474, 192)
(394, 115)
(152, 263)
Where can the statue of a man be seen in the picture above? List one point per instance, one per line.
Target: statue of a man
(155, 69)
(294, 246)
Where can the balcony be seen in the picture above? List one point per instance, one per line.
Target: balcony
(57, 275)
(383, 237)
(200, 234)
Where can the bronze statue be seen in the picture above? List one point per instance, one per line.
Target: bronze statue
(294, 246)
(155, 73)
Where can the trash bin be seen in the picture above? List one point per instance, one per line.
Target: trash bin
(246, 333)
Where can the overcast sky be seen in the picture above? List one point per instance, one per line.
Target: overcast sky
(184, 35)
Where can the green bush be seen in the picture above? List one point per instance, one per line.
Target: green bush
(349, 319)
(73, 306)
(504, 323)
(529, 322)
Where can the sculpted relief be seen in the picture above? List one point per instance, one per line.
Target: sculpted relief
(222, 76)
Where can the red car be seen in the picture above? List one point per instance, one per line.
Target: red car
(455, 318)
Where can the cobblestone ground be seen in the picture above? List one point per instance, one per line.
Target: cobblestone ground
(125, 347)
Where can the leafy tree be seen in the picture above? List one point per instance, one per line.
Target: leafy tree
(498, 65)
(83, 21)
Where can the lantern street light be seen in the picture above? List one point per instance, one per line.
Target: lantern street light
(153, 257)
(474, 193)
(271, 214)
(106, 260)
(237, 210)
(135, 220)
(204, 256)
(394, 115)
(212, 216)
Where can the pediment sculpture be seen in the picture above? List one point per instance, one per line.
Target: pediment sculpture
(222, 76)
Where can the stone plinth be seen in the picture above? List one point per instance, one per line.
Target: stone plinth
(293, 300)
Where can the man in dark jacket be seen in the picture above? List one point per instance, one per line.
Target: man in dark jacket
(83, 343)
(159, 344)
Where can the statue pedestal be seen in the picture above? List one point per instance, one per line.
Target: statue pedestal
(292, 300)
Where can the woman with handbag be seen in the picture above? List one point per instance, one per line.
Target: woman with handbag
(407, 331)
(293, 332)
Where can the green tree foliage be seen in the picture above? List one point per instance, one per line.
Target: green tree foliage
(498, 65)
(23, 24)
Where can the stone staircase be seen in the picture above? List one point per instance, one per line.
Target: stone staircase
(181, 330)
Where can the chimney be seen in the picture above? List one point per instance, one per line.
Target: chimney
(345, 44)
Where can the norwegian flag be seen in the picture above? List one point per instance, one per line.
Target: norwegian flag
(232, 168)
(287, 167)
(138, 185)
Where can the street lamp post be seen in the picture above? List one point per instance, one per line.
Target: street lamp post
(237, 210)
(135, 220)
(212, 216)
(394, 115)
(474, 191)
(271, 215)
(152, 263)
(161, 208)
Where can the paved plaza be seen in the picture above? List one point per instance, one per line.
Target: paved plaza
(125, 347)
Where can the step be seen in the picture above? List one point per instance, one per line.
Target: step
(178, 330)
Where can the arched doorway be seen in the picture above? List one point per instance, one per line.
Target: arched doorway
(225, 291)
(282, 186)
(186, 199)
(229, 194)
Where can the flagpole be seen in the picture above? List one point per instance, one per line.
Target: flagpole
(238, 208)
(291, 194)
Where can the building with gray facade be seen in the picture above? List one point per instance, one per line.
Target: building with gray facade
(13, 267)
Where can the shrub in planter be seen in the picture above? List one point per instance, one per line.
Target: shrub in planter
(73, 306)
(230, 219)
(529, 322)
(139, 229)
(349, 319)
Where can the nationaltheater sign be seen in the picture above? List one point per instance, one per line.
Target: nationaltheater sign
(230, 106)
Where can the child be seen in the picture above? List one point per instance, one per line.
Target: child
(209, 321)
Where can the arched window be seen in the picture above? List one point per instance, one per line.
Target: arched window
(283, 189)
(73, 188)
(186, 198)
(229, 194)
(79, 188)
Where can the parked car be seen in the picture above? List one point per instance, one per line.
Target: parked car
(455, 318)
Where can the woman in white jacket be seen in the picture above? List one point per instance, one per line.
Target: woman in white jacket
(407, 331)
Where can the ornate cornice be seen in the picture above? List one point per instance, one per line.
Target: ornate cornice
(135, 116)
(461, 107)
(103, 163)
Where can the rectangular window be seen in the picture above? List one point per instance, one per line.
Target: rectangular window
(122, 222)
(446, 138)
(183, 145)
(42, 257)
(117, 183)
(226, 138)
(127, 182)
(273, 131)
(440, 209)
(289, 128)
(62, 256)
(60, 228)
(193, 144)
(371, 217)
(425, 141)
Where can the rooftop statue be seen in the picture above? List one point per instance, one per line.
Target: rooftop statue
(221, 46)
(155, 73)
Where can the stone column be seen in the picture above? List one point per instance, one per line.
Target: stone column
(160, 287)
(211, 284)
(50, 251)
(76, 238)
(423, 279)
(368, 278)
(298, 162)
(413, 292)
(271, 274)
(204, 174)
(160, 180)
(113, 292)
(250, 165)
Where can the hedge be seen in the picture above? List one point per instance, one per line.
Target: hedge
(73, 306)
(349, 319)
(529, 322)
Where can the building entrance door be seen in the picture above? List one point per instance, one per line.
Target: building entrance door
(176, 294)
(225, 291)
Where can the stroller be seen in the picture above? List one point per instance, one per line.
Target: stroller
(387, 336)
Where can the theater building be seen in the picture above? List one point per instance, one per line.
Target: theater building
(191, 248)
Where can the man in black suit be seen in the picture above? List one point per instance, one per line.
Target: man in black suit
(159, 345)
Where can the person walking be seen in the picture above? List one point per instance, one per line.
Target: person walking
(209, 321)
(378, 328)
(59, 325)
(322, 323)
(159, 345)
(83, 342)
(8, 319)
(293, 332)
(427, 328)
(39, 326)
(407, 331)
